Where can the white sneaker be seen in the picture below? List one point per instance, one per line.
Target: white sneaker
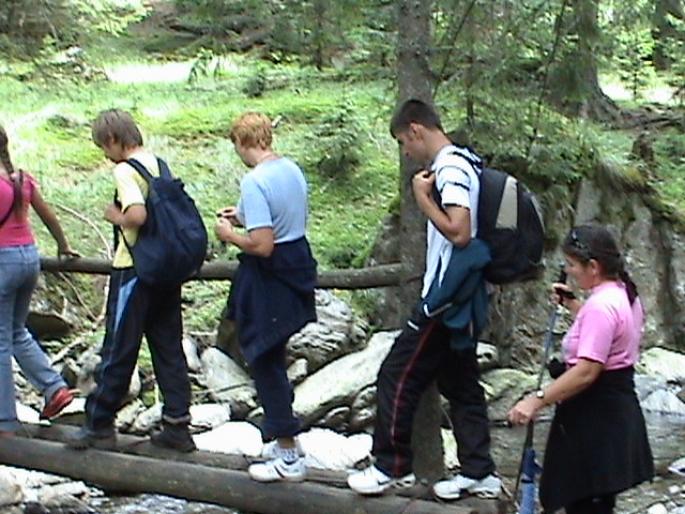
(373, 481)
(454, 488)
(270, 449)
(277, 470)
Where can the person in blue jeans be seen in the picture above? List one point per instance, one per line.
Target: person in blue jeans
(19, 268)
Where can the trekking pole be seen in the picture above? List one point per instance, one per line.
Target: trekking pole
(529, 468)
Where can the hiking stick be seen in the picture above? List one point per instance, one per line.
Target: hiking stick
(529, 468)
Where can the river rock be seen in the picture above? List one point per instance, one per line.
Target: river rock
(26, 414)
(664, 402)
(503, 388)
(657, 508)
(336, 332)
(192, 357)
(85, 373)
(363, 410)
(449, 449)
(48, 325)
(678, 467)
(234, 437)
(326, 449)
(10, 489)
(148, 419)
(647, 384)
(227, 382)
(297, 371)
(339, 382)
(128, 415)
(659, 362)
(208, 416)
(337, 418)
(488, 356)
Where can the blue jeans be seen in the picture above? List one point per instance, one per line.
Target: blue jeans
(19, 268)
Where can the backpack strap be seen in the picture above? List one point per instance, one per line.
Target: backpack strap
(142, 170)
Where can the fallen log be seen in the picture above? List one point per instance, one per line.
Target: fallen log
(383, 275)
(135, 474)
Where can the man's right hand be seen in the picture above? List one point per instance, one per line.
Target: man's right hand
(231, 214)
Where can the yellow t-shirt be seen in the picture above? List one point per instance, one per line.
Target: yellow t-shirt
(131, 190)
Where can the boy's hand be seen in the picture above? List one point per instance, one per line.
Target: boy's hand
(113, 214)
(422, 183)
(223, 229)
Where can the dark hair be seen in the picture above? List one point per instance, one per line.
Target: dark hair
(587, 242)
(115, 125)
(414, 111)
(16, 178)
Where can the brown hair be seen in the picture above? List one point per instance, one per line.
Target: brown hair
(115, 125)
(587, 242)
(16, 178)
(252, 129)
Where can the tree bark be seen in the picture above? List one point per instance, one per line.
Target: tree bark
(414, 81)
(136, 474)
(577, 91)
(362, 278)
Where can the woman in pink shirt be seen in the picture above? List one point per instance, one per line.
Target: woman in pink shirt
(19, 268)
(597, 445)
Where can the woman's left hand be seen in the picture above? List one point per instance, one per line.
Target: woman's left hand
(525, 410)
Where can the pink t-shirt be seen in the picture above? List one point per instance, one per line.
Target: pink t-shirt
(607, 328)
(16, 231)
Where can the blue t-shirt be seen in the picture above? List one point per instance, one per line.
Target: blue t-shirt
(274, 194)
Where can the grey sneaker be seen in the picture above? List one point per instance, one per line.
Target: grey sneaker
(373, 481)
(459, 485)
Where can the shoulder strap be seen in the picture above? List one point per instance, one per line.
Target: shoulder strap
(163, 169)
(142, 170)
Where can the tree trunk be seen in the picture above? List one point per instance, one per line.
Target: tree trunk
(664, 29)
(577, 91)
(414, 81)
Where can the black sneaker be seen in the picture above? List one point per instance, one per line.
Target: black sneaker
(85, 437)
(174, 437)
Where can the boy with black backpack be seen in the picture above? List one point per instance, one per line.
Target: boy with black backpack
(439, 340)
(135, 307)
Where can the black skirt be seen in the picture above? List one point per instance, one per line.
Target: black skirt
(597, 443)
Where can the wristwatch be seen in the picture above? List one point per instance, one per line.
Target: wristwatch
(540, 393)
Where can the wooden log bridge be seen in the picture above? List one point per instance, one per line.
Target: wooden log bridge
(135, 467)
(383, 275)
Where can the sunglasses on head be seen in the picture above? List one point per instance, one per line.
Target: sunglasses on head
(583, 248)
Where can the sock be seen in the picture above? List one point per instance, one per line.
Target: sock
(289, 455)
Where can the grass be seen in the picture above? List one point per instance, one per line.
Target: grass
(49, 125)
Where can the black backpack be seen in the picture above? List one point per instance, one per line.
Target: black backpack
(509, 221)
(172, 243)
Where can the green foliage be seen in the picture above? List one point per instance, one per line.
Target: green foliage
(337, 142)
(675, 50)
(29, 26)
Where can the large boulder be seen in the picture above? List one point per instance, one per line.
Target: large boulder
(664, 364)
(503, 388)
(338, 383)
(227, 382)
(336, 332)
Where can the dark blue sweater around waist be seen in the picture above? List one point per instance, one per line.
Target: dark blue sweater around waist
(271, 298)
(460, 300)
